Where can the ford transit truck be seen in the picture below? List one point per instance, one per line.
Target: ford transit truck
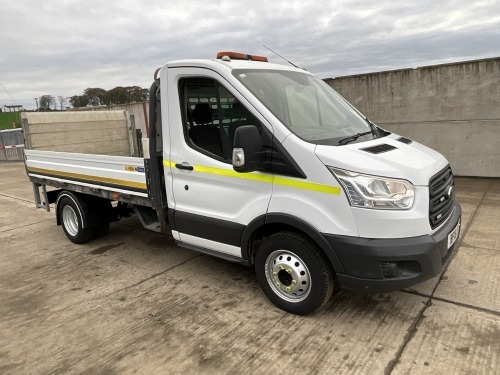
(266, 165)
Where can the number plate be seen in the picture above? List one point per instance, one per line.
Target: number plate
(452, 237)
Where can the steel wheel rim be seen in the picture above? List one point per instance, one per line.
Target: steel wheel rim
(288, 276)
(70, 220)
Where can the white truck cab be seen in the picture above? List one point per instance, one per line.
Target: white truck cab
(266, 165)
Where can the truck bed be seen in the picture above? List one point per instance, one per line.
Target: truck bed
(120, 174)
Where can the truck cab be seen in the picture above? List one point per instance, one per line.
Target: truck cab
(266, 163)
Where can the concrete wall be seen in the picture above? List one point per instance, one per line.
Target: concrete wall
(453, 108)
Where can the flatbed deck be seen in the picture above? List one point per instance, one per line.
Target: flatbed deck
(114, 177)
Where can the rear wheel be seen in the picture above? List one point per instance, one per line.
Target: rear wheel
(101, 230)
(71, 217)
(104, 208)
(293, 273)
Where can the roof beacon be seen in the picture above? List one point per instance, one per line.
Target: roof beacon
(227, 56)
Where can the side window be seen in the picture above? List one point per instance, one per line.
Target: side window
(211, 115)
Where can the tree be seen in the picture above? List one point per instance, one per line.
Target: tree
(96, 96)
(62, 101)
(78, 101)
(136, 94)
(117, 95)
(47, 101)
(128, 94)
(145, 94)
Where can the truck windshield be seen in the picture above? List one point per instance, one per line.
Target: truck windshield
(307, 106)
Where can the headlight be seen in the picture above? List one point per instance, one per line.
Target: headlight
(375, 192)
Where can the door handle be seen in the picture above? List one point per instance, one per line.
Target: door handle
(184, 165)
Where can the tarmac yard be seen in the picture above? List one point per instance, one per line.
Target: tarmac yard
(134, 302)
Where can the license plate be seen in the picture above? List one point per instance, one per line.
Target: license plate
(452, 237)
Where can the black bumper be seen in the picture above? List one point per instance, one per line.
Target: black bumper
(383, 265)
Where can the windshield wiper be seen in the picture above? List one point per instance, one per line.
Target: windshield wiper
(351, 138)
(374, 128)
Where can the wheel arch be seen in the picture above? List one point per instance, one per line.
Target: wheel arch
(266, 225)
(92, 210)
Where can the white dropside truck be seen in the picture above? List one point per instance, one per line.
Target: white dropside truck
(266, 165)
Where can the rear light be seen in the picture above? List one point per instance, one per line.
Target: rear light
(240, 56)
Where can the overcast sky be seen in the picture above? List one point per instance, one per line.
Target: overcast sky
(61, 47)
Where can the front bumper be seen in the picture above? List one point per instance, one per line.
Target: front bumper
(383, 265)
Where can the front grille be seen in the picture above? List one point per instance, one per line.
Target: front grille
(378, 149)
(441, 196)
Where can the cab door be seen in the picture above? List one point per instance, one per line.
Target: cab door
(212, 203)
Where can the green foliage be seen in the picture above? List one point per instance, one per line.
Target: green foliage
(94, 96)
(7, 118)
(79, 101)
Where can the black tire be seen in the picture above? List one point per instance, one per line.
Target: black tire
(104, 208)
(101, 230)
(301, 281)
(70, 214)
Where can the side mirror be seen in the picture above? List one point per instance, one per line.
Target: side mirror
(247, 149)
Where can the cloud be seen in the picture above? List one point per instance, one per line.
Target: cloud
(63, 47)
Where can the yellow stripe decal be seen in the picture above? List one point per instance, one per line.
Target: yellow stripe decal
(307, 185)
(89, 178)
(294, 183)
(233, 173)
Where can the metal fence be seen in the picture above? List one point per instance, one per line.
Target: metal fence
(11, 144)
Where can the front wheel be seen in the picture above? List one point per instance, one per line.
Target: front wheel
(293, 273)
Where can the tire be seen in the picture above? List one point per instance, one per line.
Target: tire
(71, 220)
(103, 207)
(293, 273)
(101, 230)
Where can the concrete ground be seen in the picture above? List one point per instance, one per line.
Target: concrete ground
(134, 302)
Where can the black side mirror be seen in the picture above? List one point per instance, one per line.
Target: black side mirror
(247, 149)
